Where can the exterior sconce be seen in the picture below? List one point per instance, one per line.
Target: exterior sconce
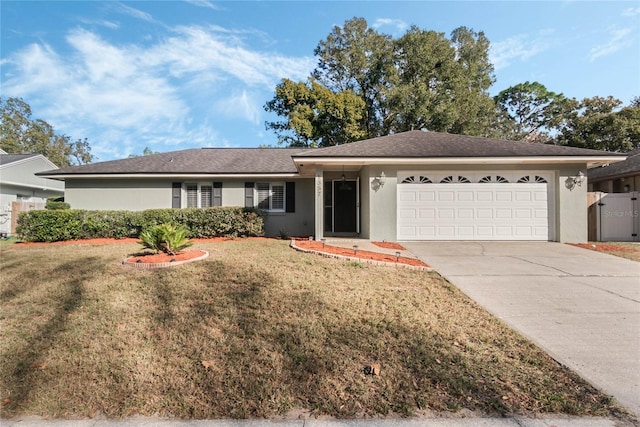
(378, 182)
(571, 182)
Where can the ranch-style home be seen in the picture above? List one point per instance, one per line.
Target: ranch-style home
(414, 185)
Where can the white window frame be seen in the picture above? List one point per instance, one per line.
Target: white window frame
(270, 197)
(198, 194)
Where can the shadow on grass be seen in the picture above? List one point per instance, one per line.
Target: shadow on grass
(25, 362)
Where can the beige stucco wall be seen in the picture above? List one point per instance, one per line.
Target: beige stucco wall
(141, 194)
(571, 206)
(118, 194)
(299, 223)
(567, 222)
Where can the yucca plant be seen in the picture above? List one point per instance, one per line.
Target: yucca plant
(165, 238)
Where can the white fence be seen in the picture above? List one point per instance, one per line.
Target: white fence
(615, 217)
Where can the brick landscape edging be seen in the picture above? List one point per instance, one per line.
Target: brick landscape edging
(152, 265)
(363, 260)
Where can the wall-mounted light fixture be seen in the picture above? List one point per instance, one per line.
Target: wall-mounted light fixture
(572, 181)
(378, 182)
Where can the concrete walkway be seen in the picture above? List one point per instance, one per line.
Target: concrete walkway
(582, 307)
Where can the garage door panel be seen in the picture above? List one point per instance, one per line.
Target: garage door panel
(503, 196)
(484, 213)
(427, 213)
(504, 213)
(446, 196)
(466, 213)
(465, 196)
(473, 211)
(484, 196)
(406, 196)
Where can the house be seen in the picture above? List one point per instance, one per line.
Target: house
(18, 183)
(408, 186)
(621, 177)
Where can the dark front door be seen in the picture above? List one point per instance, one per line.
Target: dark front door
(345, 206)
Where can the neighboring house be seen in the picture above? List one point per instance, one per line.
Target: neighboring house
(408, 186)
(622, 177)
(18, 183)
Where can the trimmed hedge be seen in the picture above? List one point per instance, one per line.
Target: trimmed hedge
(72, 224)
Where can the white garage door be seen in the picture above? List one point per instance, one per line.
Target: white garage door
(464, 207)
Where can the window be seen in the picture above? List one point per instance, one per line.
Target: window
(204, 195)
(536, 178)
(271, 196)
(450, 179)
(497, 178)
(416, 180)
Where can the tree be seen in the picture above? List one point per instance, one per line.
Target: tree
(315, 116)
(598, 123)
(357, 58)
(146, 152)
(420, 80)
(534, 110)
(20, 134)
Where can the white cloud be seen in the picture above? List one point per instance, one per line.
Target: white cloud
(240, 105)
(519, 47)
(161, 95)
(399, 24)
(631, 12)
(203, 3)
(618, 40)
(221, 55)
(103, 23)
(136, 13)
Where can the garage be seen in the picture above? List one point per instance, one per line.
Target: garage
(474, 206)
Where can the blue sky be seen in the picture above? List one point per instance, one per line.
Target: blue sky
(170, 75)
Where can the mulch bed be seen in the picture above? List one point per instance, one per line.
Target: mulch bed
(390, 245)
(604, 247)
(153, 258)
(314, 245)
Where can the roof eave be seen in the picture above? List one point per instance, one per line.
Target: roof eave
(169, 176)
(589, 160)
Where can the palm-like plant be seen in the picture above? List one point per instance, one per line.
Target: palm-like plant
(165, 238)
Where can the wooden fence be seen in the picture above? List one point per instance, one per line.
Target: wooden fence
(18, 207)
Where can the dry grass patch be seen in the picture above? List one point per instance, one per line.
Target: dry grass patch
(257, 330)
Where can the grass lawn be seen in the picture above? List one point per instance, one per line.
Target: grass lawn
(259, 330)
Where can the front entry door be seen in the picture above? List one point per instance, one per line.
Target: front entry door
(345, 206)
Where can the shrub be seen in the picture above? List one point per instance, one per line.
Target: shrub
(56, 203)
(54, 225)
(165, 238)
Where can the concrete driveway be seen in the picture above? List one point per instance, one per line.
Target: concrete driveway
(582, 307)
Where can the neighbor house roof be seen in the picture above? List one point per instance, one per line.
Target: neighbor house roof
(630, 166)
(438, 144)
(194, 161)
(6, 159)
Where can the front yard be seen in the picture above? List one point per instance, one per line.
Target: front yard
(259, 330)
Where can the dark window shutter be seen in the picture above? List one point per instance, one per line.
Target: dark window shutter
(248, 194)
(176, 194)
(217, 194)
(291, 196)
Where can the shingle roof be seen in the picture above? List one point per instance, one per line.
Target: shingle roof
(6, 159)
(281, 160)
(630, 166)
(195, 161)
(436, 144)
